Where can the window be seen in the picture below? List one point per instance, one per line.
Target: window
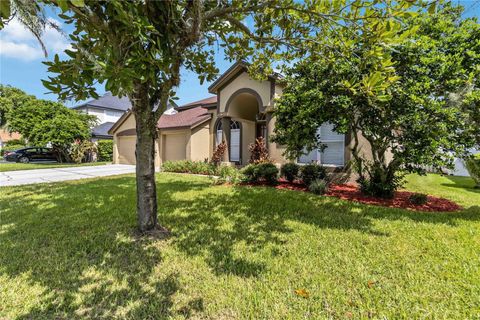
(234, 141)
(219, 133)
(333, 153)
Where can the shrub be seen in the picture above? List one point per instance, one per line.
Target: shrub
(218, 153)
(378, 186)
(311, 172)
(473, 166)
(318, 186)
(418, 199)
(261, 172)
(259, 152)
(228, 174)
(14, 143)
(188, 166)
(105, 150)
(80, 150)
(290, 171)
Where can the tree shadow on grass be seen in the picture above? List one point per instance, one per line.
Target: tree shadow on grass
(75, 241)
(464, 183)
(214, 223)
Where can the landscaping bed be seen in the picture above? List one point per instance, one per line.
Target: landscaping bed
(352, 193)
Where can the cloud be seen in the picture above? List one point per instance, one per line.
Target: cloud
(17, 42)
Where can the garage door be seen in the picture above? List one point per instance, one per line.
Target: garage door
(175, 147)
(126, 150)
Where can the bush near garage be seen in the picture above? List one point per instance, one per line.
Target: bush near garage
(105, 150)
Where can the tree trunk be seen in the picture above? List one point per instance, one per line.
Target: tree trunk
(145, 162)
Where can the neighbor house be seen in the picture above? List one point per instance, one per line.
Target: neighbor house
(240, 110)
(6, 136)
(108, 109)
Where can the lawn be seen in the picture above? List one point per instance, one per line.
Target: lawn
(13, 166)
(69, 251)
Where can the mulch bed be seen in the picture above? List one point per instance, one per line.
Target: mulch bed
(352, 193)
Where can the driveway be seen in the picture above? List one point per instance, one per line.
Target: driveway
(15, 178)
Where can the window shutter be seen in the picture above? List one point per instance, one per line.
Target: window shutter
(235, 145)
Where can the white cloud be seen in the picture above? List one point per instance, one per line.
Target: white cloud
(18, 42)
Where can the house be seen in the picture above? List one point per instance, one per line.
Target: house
(108, 109)
(6, 136)
(239, 111)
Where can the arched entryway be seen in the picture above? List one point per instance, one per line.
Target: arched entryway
(245, 118)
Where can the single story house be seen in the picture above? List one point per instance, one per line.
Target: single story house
(240, 110)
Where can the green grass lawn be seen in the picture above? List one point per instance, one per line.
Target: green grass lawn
(69, 251)
(13, 166)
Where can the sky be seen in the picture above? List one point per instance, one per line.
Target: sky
(21, 59)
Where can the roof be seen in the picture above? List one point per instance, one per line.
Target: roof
(102, 129)
(232, 72)
(7, 136)
(189, 118)
(108, 101)
(210, 102)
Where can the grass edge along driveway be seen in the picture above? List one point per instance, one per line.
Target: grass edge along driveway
(16, 166)
(68, 250)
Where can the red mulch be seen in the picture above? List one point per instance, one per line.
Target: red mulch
(352, 193)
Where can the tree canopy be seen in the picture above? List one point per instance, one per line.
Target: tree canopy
(397, 99)
(43, 122)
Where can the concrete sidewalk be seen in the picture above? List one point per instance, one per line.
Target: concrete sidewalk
(20, 177)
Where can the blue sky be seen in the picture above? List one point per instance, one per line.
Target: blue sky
(21, 60)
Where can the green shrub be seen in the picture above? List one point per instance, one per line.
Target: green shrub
(380, 186)
(290, 171)
(318, 186)
(418, 198)
(14, 143)
(311, 172)
(473, 166)
(261, 172)
(105, 150)
(188, 166)
(228, 174)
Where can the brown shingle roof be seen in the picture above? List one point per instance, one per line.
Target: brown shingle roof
(184, 119)
(210, 101)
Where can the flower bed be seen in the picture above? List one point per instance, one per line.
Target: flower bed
(352, 193)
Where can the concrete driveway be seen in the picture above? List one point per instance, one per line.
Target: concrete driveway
(16, 178)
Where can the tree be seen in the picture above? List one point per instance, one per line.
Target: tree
(397, 98)
(10, 99)
(42, 122)
(136, 48)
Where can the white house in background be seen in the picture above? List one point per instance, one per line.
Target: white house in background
(108, 109)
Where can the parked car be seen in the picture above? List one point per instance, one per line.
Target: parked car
(26, 155)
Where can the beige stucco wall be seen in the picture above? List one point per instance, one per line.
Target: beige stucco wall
(248, 137)
(175, 145)
(200, 143)
(124, 146)
(275, 150)
(241, 82)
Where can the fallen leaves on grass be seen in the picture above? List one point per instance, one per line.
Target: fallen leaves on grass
(302, 293)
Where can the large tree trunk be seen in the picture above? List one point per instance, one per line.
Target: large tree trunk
(145, 161)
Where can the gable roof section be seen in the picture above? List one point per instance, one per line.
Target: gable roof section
(102, 129)
(210, 102)
(189, 118)
(108, 101)
(234, 71)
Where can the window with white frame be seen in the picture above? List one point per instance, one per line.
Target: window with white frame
(219, 133)
(333, 153)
